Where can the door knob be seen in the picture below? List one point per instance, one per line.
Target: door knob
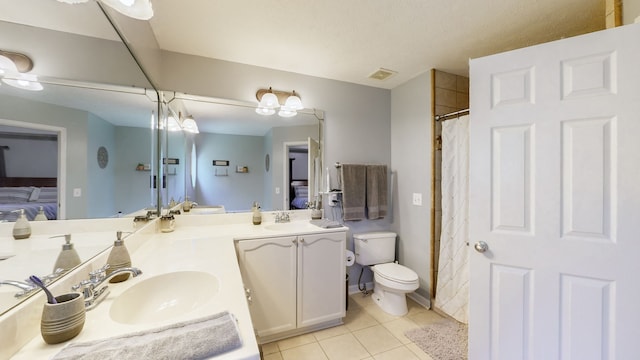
(481, 246)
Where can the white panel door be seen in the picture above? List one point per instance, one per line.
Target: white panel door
(321, 278)
(268, 269)
(555, 195)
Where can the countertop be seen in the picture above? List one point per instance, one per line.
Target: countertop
(199, 243)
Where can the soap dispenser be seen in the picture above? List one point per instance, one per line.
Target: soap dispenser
(40, 216)
(68, 257)
(22, 228)
(257, 215)
(118, 258)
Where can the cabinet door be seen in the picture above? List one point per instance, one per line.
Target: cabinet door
(321, 278)
(268, 269)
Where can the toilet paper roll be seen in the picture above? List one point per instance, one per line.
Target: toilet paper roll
(350, 258)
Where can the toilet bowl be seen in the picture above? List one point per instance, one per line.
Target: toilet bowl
(391, 284)
(392, 281)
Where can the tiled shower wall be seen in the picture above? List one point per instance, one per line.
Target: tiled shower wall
(451, 94)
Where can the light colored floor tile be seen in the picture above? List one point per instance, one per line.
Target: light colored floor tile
(270, 348)
(398, 353)
(426, 318)
(399, 326)
(377, 339)
(311, 351)
(274, 356)
(330, 332)
(362, 300)
(359, 320)
(343, 347)
(379, 314)
(418, 352)
(296, 341)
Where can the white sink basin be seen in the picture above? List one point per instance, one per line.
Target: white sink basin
(291, 226)
(164, 296)
(206, 210)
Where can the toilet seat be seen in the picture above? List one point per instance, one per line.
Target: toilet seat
(396, 273)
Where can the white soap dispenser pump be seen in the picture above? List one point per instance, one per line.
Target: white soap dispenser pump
(68, 257)
(22, 228)
(40, 216)
(118, 258)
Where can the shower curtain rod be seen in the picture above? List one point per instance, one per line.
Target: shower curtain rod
(452, 115)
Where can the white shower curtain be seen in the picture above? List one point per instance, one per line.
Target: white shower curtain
(452, 291)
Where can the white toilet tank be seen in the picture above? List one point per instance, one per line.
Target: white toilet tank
(375, 247)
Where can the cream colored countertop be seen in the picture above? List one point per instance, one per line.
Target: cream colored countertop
(202, 243)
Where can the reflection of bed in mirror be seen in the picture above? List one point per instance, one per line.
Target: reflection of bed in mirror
(299, 193)
(28, 193)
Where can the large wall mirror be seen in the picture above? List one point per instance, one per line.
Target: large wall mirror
(240, 157)
(100, 121)
(81, 138)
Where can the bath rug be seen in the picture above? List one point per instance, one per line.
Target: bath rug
(444, 340)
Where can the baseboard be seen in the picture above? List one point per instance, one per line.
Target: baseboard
(420, 300)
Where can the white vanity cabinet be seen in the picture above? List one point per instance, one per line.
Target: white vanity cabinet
(295, 283)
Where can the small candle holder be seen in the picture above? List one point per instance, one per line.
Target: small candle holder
(63, 321)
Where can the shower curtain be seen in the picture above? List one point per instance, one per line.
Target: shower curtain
(452, 290)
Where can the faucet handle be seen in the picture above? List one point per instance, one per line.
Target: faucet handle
(98, 274)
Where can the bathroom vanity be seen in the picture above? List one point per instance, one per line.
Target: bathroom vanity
(294, 284)
(196, 268)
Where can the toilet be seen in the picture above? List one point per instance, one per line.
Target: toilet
(391, 281)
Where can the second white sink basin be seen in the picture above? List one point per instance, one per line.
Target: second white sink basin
(164, 296)
(291, 226)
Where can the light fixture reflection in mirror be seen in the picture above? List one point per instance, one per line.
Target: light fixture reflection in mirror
(137, 9)
(13, 68)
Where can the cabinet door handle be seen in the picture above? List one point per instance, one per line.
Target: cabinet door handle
(301, 240)
(294, 241)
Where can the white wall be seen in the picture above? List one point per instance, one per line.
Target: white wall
(357, 126)
(100, 189)
(224, 190)
(411, 160)
(30, 157)
(630, 11)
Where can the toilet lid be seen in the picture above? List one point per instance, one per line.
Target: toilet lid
(396, 272)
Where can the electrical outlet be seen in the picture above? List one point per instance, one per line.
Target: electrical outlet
(77, 192)
(277, 190)
(417, 199)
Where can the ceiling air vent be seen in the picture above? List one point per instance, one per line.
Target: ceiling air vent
(382, 74)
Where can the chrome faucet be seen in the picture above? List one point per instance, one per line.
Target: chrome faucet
(24, 286)
(282, 217)
(92, 288)
(28, 286)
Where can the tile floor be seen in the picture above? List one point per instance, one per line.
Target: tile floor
(367, 333)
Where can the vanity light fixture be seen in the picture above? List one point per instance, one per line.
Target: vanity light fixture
(173, 124)
(13, 68)
(137, 9)
(269, 100)
(189, 125)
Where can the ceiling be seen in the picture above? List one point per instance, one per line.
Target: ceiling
(337, 39)
(332, 39)
(349, 40)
